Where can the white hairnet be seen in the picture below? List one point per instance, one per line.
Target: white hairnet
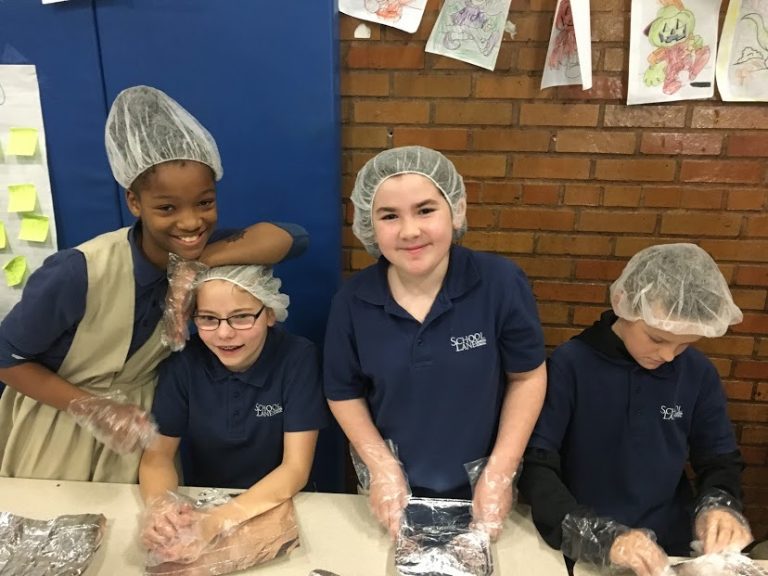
(146, 127)
(256, 280)
(405, 160)
(677, 288)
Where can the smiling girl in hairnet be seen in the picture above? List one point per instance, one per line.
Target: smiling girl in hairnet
(87, 324)
(436, 347)
(245, 396)
(628, 403)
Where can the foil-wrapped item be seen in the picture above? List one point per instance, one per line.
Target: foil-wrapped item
(63, 546)
(435, 540)
(719, 565)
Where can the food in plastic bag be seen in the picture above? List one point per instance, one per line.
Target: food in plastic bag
(719, 565)
(63, 545)
(435, 540)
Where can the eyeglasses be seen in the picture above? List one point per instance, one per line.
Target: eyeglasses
(237, 322)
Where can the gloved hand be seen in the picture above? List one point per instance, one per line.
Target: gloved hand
(179, 301)
(389, 493)
(119, 426)
(492, 500)
(638, 551)
(722, 529)
(163, 517)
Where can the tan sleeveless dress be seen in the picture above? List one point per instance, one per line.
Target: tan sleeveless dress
(38, 441)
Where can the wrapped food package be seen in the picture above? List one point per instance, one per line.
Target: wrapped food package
(719, 565)
(435, 540)
(259, 540)
(63, 545)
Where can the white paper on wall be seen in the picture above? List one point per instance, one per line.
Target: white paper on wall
(569, 56)
(401, 14)
(742, 58)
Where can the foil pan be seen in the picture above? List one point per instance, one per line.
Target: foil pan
(435, 540)
(63, 546)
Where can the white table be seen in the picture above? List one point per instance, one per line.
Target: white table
(336, 531)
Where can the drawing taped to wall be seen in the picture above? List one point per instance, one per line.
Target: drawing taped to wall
(742, 59)
(672, 48)
(402, 14)
(470, 31)
(569, 56)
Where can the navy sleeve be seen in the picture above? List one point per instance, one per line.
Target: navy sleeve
(711, 429)
(342, 375)
(53, 302)
(521, 339)
(552, 425)
(171, 404)
(304, 407)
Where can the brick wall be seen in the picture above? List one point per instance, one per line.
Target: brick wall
(570, 184)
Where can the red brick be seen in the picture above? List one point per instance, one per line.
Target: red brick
(761, 392)
(751, 434)
(610, 221)
(577, 245)
(635, 169)
(607, 270)
(553, 313)
(361, 259)
(537, 219)
(352, 162)
(437, 62)
(736, 250)
(722, 171)
(753, 324)
(569, 292)
(681, 143)
(550, 167)
(501, 242)
(384, 56)
(556, 336)
(541, 194)
(586, 315)
(723, 366)
(702, 198)
(747, 199)
(473, 189)
(347, 26)
(609, 28)
(474, 113)
(595, 141)
(488, 85)
(511, 140)
(481, 217)
(752, 275)
(502, 192)
(752, 369)
(730, 117)
(530, 59)
(545, 267)
(532, 26)
(622, 196)
(727, 345)
(749, 299)
(432, 85)
(603, 88)
(762, 348)
(644, 116)
(391, 112)
(748, 145)
(743, 412)
(364, 84)
(582, 195)
(480, 165)
(738, 389)
(437, 138)
(615, 60)
(754, 455)
(662, 196)
(700, 224)
(757, 225)
(364, 137)
(559, 114)
(628, 246)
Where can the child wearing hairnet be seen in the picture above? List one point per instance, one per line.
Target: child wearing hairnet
(78, 353)
(628, 403)
(436, 348)
(246, 398)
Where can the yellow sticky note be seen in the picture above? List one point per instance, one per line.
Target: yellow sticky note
(22, 142)
(34, 228)
(3, 239)
(14, 270)
(22, 197)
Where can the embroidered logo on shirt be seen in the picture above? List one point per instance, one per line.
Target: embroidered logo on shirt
(671, 413)
(267, 410)
(461, 343)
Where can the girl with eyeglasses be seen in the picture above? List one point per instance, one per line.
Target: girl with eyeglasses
(246, 398)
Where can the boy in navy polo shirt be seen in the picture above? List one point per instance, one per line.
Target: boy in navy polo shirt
(245, 396)
(436, 347)
(628, 403)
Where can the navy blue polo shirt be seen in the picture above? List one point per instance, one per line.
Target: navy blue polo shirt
(232, 423)
(42, 325)
(624, 433)
(435, 388)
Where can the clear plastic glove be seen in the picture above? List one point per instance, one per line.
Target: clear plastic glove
(163, 517)
(638, 551)
(121, 427)
(492, 499)
(722, 529)
(179, 301)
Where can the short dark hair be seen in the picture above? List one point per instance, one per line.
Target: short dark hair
(143, 180)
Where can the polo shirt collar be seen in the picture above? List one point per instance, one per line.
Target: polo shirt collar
(461, 277)
(255, 375)
(144, 271)
(604, 340)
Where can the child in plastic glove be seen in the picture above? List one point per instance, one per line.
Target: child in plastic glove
(436, 347)
(628, 403)
(246, 398)
(87, 324)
